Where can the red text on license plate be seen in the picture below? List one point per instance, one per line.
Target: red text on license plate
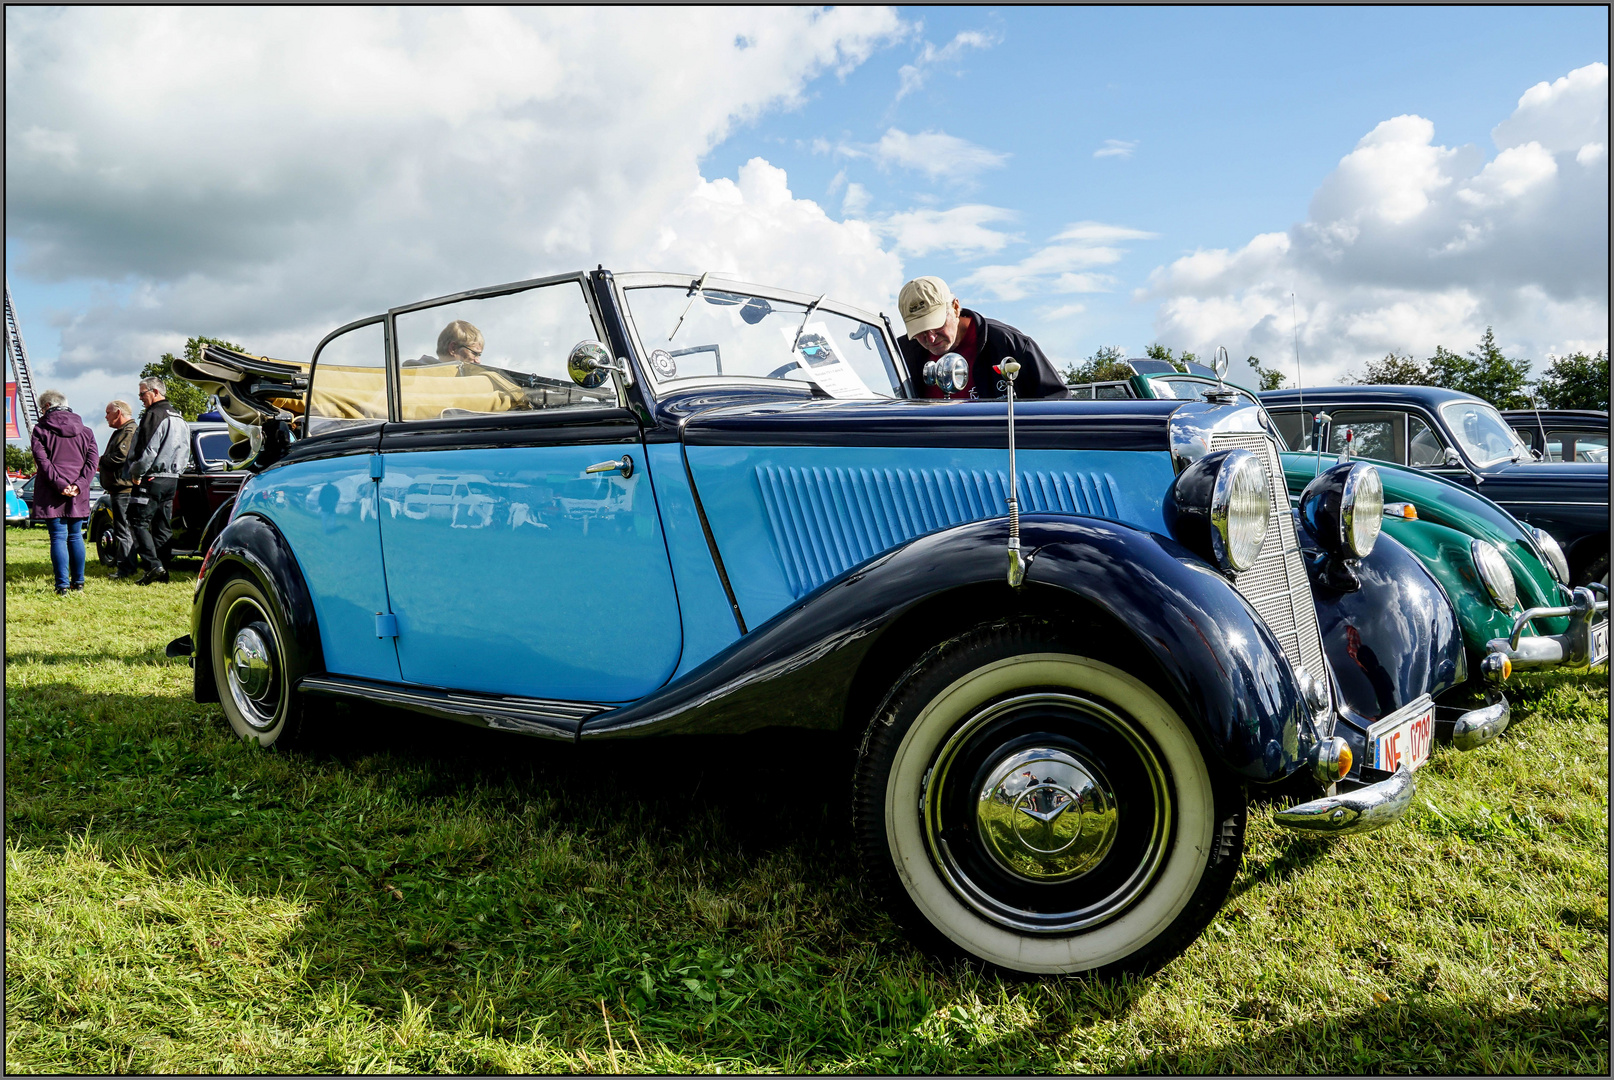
(1407, 743)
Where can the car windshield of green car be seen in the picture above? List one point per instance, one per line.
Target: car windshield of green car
(1482, 433)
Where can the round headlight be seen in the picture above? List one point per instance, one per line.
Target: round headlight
(1240, 506)
(1219, 507)
(1556, 562)
(1493, 570)
(1361, 509)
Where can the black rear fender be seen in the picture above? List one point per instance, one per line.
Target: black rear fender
(251, 546)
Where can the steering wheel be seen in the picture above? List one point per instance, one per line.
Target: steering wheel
(782, 372)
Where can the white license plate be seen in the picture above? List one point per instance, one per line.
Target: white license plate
(1600, 642)
(1403, 738)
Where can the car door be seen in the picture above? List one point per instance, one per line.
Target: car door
(523, 548)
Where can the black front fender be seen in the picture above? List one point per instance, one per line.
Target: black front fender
(1391, 640)
(1219, 663)
(252, 545)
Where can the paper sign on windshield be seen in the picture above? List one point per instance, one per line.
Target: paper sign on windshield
(817, 358)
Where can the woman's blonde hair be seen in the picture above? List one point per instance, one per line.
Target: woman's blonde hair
(456, 334)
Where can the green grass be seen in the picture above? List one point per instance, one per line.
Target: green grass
(424, 897)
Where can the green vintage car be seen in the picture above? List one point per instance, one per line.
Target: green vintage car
(1509, 582)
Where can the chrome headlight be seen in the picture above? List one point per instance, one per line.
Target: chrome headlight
(1344, 508)
(1220, 506)
(1556, 561)
(1494, 571)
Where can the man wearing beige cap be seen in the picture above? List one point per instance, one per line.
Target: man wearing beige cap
(937, 326)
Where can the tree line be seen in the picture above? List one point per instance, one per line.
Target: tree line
(1576, 381)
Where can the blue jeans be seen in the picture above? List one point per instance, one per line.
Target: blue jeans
(66, 547)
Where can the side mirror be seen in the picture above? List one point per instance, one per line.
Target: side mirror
(590, 362)
(1452, 457)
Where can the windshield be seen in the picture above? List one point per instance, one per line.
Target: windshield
(711, 336)
(1482, 433)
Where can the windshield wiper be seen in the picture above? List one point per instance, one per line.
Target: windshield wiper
(695, 290)
(812, 307)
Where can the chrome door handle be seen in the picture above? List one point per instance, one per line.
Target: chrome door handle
(625, 466)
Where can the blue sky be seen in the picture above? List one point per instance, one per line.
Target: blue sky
(1211, 160)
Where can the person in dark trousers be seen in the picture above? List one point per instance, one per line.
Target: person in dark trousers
(118, 490)
(65, 451)
(161, 451)
(937, 325)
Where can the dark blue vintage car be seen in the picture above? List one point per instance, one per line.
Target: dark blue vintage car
(1068, 641)
(1464, 439)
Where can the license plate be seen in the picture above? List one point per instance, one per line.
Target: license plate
(1600, 642)
(1403, 738)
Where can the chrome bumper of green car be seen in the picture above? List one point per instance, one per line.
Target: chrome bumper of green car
(1583, 644)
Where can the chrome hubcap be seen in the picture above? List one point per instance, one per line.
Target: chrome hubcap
(249, 662)
(248, 654)
(1046, 816)
(1047, 813)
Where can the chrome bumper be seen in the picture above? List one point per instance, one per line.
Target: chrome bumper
(1571, 649)
(1359, 811)
(1475, 729)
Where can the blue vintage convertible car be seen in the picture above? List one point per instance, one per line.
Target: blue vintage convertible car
(599, 506)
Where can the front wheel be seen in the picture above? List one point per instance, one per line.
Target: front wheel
(251, 667)
(1041, 811)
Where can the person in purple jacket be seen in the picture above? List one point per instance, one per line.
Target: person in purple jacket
(65, 451)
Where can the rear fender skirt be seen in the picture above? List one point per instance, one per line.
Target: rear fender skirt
(1219, 661)
(252, 545)
(1390, 641)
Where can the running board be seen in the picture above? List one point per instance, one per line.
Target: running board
(527, 716)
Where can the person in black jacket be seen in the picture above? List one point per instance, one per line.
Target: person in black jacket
(120, 419)
(937, 325)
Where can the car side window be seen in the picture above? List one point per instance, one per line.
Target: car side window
(1423, 445)
(1289, 428)
(1379, 433)
(496, 354)
(350, 381)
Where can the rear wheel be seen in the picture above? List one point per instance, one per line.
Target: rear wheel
(1041, 811)
(248, 641)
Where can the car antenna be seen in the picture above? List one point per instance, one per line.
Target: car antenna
(696, 288)
(1017, 565)
(1300, 386)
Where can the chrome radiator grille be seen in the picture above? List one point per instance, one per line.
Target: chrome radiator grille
(1277, 586)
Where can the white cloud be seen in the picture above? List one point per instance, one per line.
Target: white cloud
(961, 231)
(856, 200)
(1061, 311)
(1409, 244)
(1119, 148)
(1062, 265)
(934, 153)
(265, 174)
(913, 75)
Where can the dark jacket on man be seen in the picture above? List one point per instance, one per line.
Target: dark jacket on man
(65, 451)
(998, 341)
(116, 456)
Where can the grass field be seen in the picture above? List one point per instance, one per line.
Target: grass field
(419, 896)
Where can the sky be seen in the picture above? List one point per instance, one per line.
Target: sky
(1334, 182)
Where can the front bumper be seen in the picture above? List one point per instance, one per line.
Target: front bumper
(1363, 810)
(1374, 806)
(1574, 648)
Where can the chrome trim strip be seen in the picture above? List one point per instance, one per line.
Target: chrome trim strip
(528, 716)
(1363, 810)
